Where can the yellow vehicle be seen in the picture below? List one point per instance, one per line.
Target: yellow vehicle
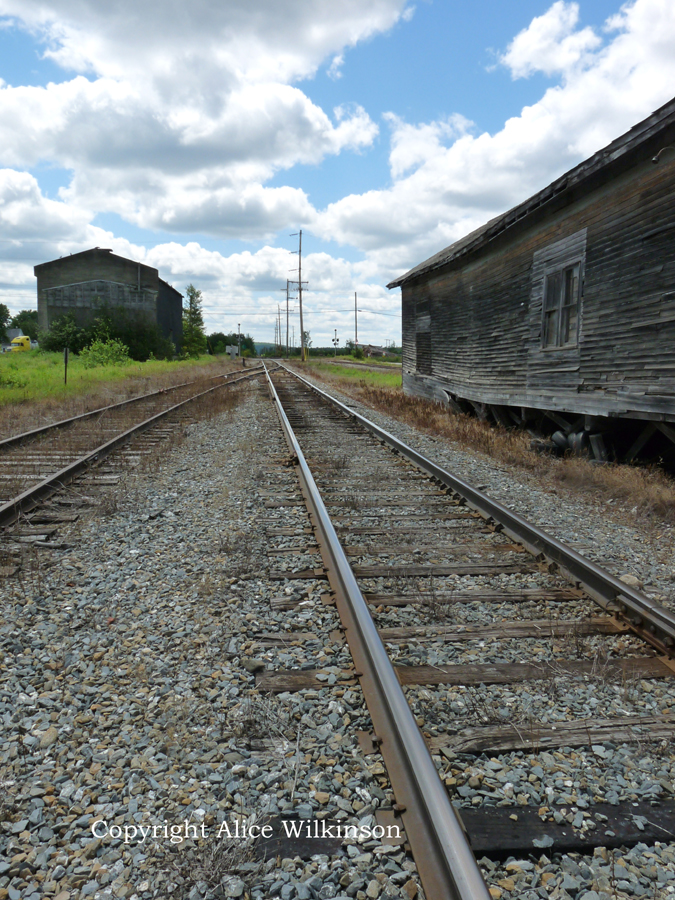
(20, 343)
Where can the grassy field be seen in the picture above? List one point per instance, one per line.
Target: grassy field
(38, 376)
(356, 375)
(32, 391)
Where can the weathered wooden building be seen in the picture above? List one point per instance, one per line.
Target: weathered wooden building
(85, 283)
(563, 307)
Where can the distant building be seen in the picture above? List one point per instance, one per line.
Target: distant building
(373, 350)
(85, 283)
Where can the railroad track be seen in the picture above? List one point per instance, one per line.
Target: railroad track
(90, 450)
(448, 601)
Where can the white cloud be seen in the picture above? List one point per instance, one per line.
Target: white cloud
(334, 70)
(550, 44)
(415, 144)
(445, 182)
(25, 214)
(185, 115)
(181, 101)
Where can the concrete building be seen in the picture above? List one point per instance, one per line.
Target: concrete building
(85, 283)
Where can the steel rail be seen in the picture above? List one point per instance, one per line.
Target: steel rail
(62, 423)
(648, 618)
(33, 496)
(445, 862)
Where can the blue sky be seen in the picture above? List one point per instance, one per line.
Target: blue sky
(199, 139)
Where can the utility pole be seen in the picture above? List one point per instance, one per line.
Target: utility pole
(300, 283)
(356, 323)
(302, 330)
(239, 339)
(287, 283)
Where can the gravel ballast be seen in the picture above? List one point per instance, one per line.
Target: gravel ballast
(127, 697)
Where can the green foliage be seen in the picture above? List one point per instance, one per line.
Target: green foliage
(4, 321)
(218, 342)
(27, 321)
(194, 339)
(10, 376)
(142, 339)
(358, 353)
(64, 333)
(110, 352)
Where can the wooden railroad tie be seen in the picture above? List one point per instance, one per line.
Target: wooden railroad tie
(279, 681)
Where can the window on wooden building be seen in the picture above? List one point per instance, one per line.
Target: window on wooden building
(561, 307)
(423, 350)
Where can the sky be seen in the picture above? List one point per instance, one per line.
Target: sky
(200, 138)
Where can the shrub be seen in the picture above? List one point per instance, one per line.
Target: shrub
(358, 353)
(105, 353)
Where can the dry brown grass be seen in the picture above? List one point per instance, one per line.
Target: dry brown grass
(647, 494)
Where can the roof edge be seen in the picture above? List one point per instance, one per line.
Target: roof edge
(476, 240)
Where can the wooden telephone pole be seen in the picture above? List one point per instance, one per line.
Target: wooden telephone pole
(300, 283)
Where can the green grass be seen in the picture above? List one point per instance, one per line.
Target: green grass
(36, 375)
(356, 374)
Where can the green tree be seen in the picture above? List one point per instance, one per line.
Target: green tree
(27, 321)
(64, 333)
(194, 339)
(4, 321)
(218, 342)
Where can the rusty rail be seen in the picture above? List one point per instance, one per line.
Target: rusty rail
(445, 863)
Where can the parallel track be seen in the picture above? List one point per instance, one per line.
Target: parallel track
(35, 464)
(457, 538)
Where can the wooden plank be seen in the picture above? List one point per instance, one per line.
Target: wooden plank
(446, 597)
(510, 673)
(288, 532)
(280, 551)
(537, 735)
(301, 575)
(544, 628)
(484, 673)
(292, 680)
(32, 532)
(447, 515)
(424, 531)
(46, 519)
(511, 830)
(456, 549)
(284, 638)
(417, 571)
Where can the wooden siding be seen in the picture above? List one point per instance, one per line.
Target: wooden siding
(486, 316)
